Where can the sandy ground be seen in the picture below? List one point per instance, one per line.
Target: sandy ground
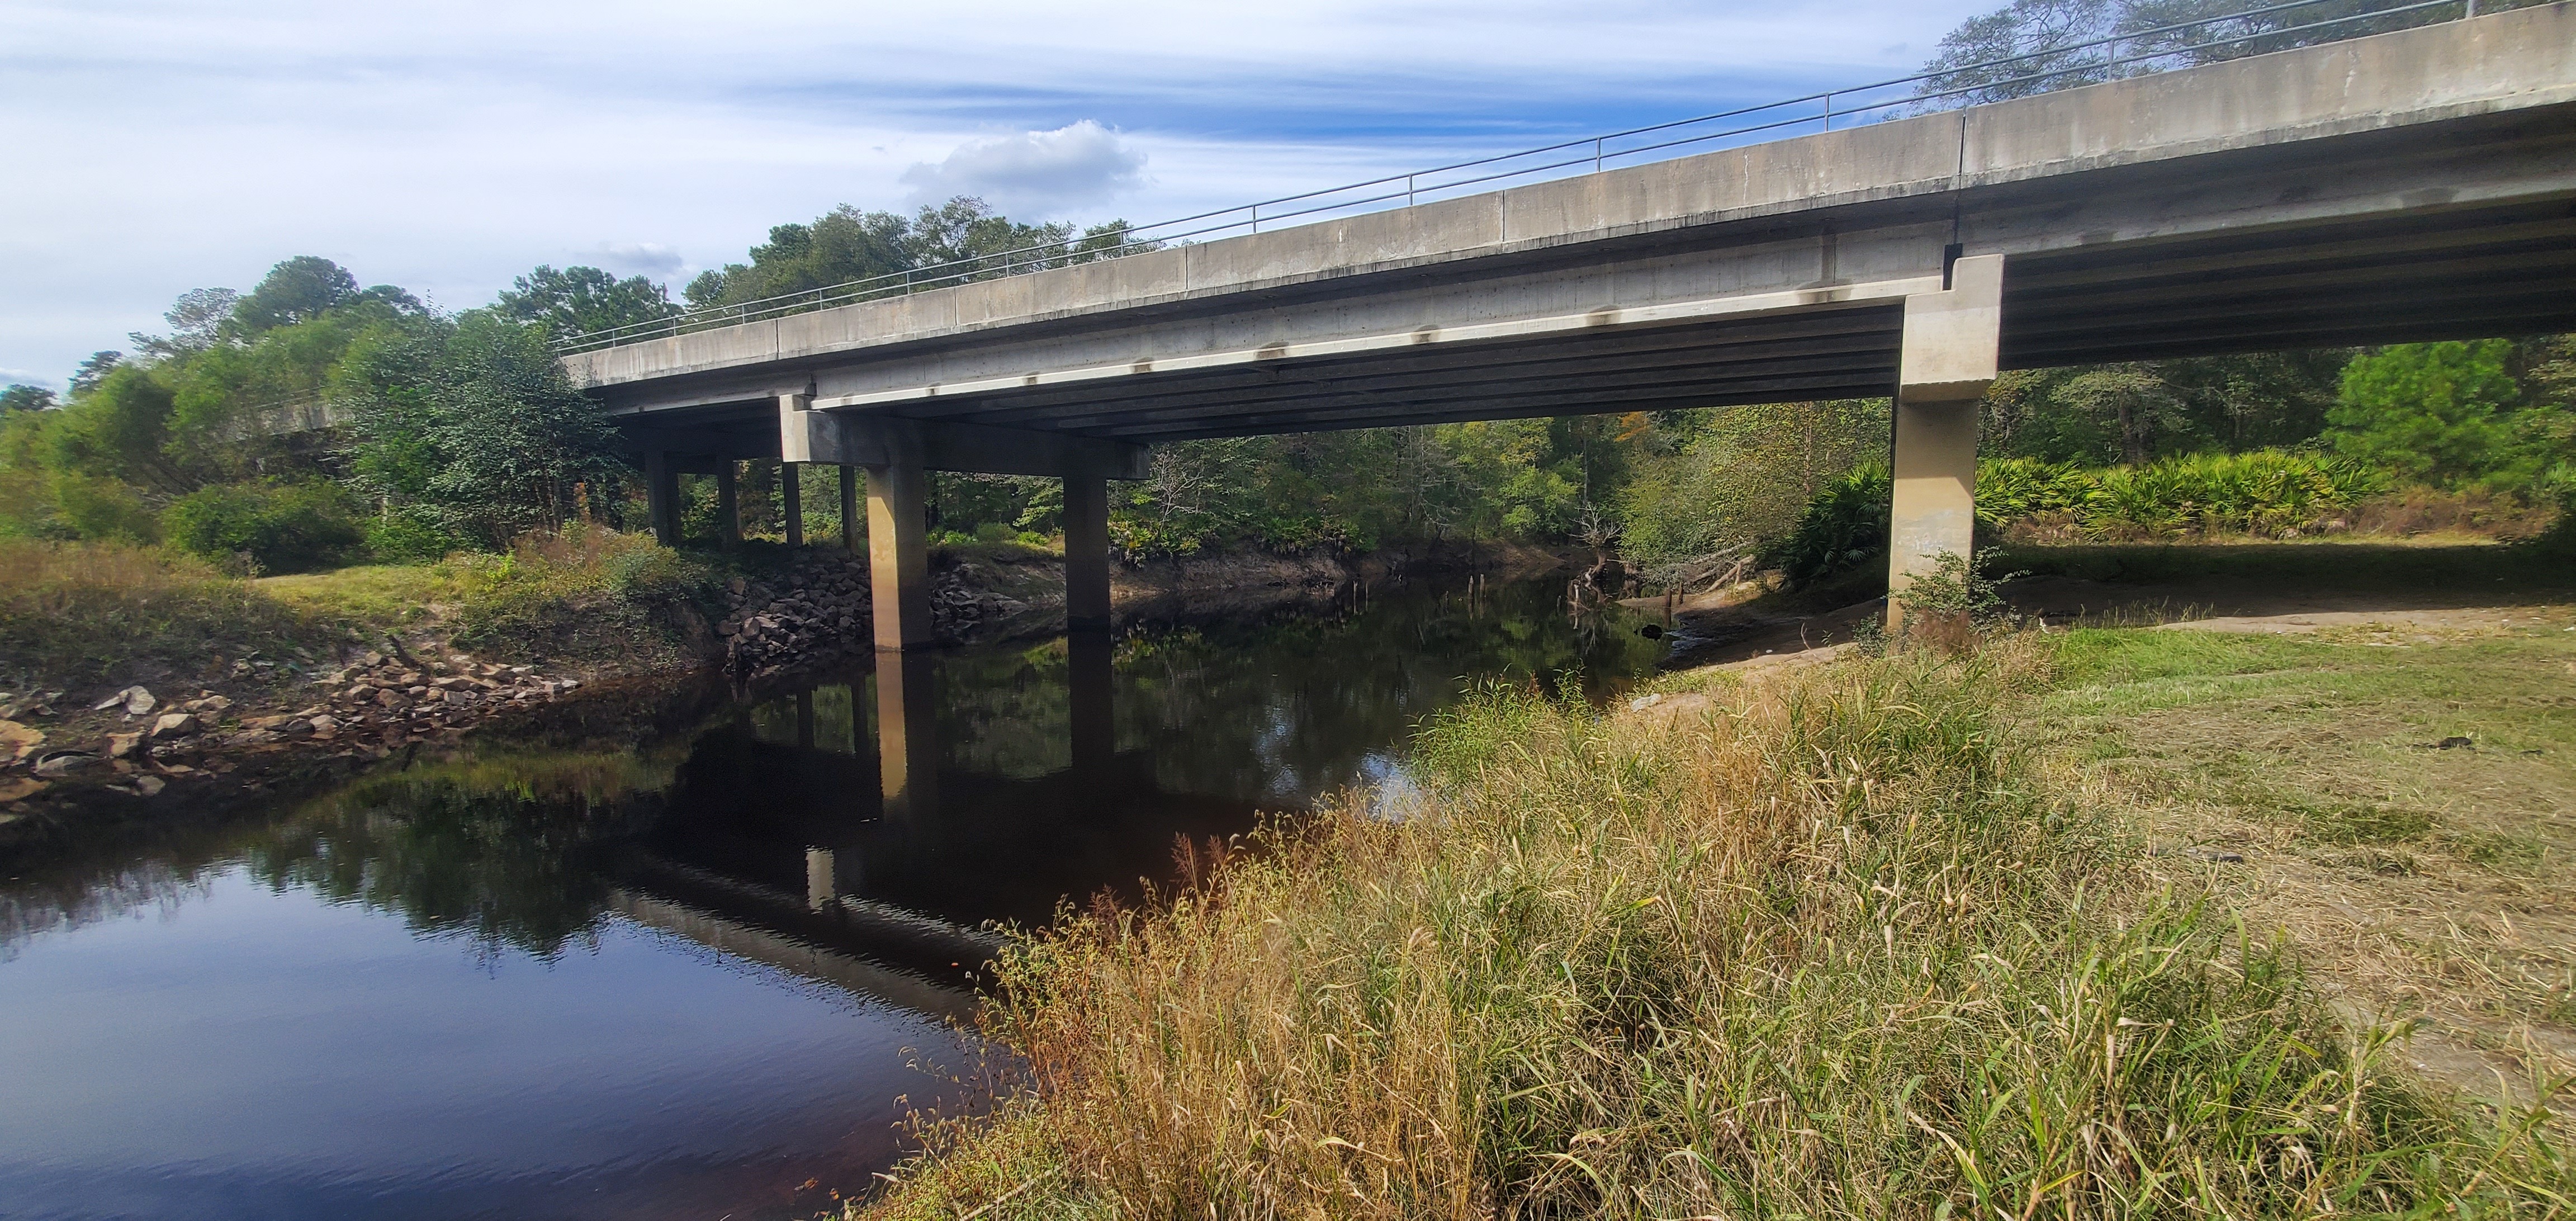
(1727, 627)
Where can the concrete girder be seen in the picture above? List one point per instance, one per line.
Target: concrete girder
(1483, 366)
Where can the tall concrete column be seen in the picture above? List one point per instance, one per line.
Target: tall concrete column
(1086, 552)
(662, 496)
(1089, 668)
(791, 500)
(728, 503)
(898, 555)
(1951, 344)
(822, 878)
(850, 520)
(907, 735)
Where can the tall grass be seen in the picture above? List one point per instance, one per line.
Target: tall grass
(73, 614)
(584, 592)
(1833, 949)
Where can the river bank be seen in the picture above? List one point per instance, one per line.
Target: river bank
(683, 969)
(1860, 936)
(237, 692)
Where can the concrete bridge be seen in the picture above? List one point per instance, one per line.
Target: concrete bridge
(2409, 186)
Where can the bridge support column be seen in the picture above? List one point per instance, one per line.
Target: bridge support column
(791, 500)
(662, 496)
(898, 555)
(849, 508)
(1950, 351)
(822, 878)
(728, 503)
(1086, 552)
(907, 735)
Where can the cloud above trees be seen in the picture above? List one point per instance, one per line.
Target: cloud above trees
(1035, 174)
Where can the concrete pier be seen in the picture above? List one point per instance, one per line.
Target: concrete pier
(791, 501)
(1950, 348)
(849, 508)
(662, 496)
(898, 554)
(907, 737)
(728, 504)
(1086, 552)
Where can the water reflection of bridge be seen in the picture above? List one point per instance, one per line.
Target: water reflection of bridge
(842, 846)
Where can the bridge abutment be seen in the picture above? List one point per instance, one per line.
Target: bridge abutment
(1952, 343)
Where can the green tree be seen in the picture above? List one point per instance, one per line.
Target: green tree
(840, 246)
(963, 237)
(93, 371)
(577, 300)
(1727, 476)
(306, 287)
(19, 397)
(196, 322)
(473, 424)
(2443, 413)
(2014, 51)
(119, 429)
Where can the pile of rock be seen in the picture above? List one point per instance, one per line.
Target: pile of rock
(818, 610)
(962, 603)
(814, 610)
(391, 700)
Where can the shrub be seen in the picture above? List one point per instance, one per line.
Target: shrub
(1845, 524)
(277, 527)
(401, 537)
(585, 592)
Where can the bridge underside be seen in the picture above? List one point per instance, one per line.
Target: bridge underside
(2438, 274)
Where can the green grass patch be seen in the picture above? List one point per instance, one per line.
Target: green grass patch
(76, 615)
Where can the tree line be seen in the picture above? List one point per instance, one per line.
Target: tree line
(445, 431)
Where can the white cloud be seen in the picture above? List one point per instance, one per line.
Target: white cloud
(449, 147)
(1037, 173)
(29, 377)
(652, 260)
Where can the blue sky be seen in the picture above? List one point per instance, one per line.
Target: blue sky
(158, 147)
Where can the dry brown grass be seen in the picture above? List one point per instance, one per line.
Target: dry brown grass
(74, 615)
(1835, 947)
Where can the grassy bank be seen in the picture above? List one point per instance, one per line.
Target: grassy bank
(1875, 939)
(76, 615)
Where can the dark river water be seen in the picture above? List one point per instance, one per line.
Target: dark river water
(701, 977)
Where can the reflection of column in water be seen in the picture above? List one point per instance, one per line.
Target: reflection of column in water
(822, 881)
(1087, 671)
(907, 737)
(805, 719)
